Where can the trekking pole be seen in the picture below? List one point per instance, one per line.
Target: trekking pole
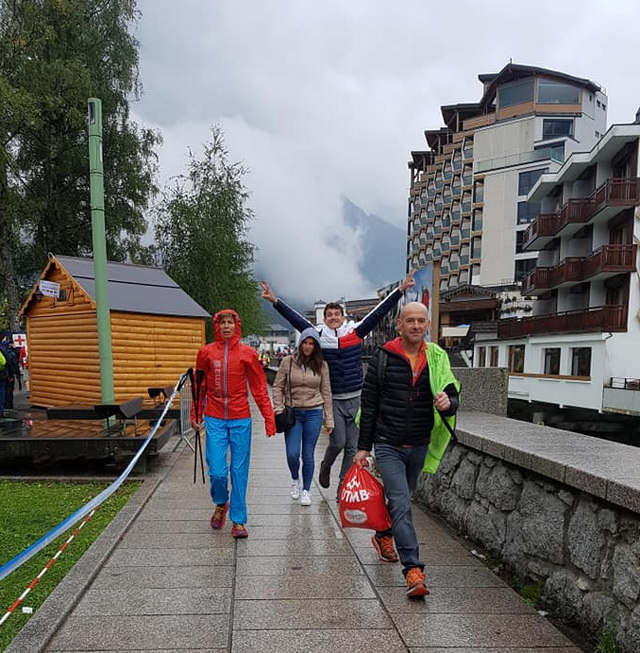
(199, 378)
(196, 381)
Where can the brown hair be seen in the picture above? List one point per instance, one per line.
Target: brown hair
(333, 305)
(313, 362)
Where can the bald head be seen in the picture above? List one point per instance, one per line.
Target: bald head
(413, 307)
(413, 324)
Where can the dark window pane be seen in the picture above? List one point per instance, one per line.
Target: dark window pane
(552, 360)
(526, 180)
(523, 267)
(528, 212)
(515, 93)
(556, 93)
(516, 359)
(581, 361)
(552, 128)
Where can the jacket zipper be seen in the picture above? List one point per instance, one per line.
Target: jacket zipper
(224, 379)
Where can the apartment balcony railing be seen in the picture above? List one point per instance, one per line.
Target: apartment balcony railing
(599, 318)
(614, 195)
(457, 164)
(464, 259)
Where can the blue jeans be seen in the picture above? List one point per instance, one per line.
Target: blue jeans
(400, 468)
(301, 438)
(222, 435)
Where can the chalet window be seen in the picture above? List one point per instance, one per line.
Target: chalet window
(516, 93)
(482, 352)
(523, 268)
(552, 360)
(516, 359)
(494, 351)
(581, 361)
(557, 93)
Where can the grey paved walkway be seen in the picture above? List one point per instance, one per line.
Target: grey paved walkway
(299, 583)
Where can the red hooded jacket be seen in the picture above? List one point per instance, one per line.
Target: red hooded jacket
(224, 367)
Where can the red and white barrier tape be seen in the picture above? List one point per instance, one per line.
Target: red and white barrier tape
(48, 566)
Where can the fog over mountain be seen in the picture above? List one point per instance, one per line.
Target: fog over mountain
(380, 253)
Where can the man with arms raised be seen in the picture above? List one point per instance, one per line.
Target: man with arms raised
(341, 343)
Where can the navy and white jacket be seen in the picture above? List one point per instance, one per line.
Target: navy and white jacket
(342, 348)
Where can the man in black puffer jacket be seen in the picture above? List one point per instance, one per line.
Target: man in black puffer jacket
(409, 387)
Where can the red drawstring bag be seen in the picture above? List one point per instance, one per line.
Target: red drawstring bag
(362, 503)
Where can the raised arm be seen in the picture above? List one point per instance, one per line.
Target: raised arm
(371, 319)
(292, 316)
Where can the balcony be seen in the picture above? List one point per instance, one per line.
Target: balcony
(597, 319)
(606, 261)
(605, 202)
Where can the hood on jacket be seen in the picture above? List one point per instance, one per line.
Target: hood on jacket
(309, 332)
(235, 338)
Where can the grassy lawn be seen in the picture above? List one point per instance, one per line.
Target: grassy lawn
(28, 511)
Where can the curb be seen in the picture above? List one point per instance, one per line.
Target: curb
(47, 620)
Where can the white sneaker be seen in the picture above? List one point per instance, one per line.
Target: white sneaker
(295, 490)
(305, 499)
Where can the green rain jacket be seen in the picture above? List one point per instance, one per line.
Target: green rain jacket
(440, 376)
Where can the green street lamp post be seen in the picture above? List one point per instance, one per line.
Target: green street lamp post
(96, 191)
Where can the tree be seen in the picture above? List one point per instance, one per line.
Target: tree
(54, 55)
(200, 232)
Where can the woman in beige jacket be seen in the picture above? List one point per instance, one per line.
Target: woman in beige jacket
(303, 383)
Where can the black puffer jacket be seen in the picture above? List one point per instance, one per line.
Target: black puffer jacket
(397, 411)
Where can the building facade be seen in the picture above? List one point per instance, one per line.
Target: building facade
(468, 207)
(580, 347)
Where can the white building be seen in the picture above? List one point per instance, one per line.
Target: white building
(581, 345)
(468, 206)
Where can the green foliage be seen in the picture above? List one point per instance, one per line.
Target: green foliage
(28, 511)
(607, 642)
(529, 590)
(201, 229)
(54, 55)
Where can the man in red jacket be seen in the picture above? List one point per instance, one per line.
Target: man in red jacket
(223, 370)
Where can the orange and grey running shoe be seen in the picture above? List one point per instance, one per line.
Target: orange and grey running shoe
(416, 583)
(383, 544)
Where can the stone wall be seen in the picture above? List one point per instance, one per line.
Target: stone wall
(585, 551)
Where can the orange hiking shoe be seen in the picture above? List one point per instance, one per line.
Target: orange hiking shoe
(383, 545)
(219, 516)
(416, 583)
(239, 531)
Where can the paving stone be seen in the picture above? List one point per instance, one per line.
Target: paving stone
(342, 614)
(132, 601)
(171, 557)
(277, 565)
(306, 585)
(114, 576)
(145, 632)
(317, 641)
(473, 630)
(185, 541)
(453, 600)
(297, 547)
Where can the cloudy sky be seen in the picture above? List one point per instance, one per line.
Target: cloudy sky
(324, 99)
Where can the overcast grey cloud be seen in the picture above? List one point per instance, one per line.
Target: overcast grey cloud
(324, 99)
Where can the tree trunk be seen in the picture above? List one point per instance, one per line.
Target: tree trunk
(7, 269)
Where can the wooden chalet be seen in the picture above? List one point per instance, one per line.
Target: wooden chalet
(156, 331)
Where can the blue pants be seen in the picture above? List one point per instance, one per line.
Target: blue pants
(222, 435)
(3, 389)
(400, 468)
(301, 438)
